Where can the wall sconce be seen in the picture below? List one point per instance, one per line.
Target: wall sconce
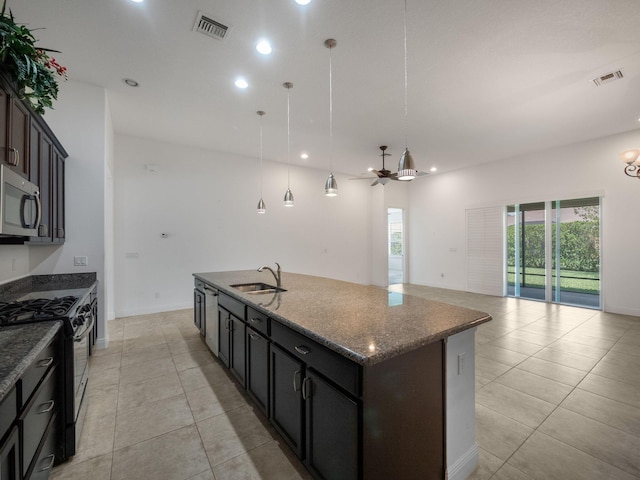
(631, 158)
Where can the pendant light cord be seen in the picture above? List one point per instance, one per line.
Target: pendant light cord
(330, 114)
(288, 139)
(261, 114)
(406, 103)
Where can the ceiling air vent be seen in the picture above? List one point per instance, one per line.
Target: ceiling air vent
(607, 78)
(210, 27)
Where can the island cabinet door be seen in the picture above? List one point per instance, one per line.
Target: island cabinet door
(287, 414)
(331, 430)
(199, 309)
(238, 352)
(258, 369)
(224, 348)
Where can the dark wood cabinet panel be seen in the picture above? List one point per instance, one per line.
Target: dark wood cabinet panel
(331, 430)
(10, 456)
(287, 414)
(58, 197)
(258, 369)
(199, 305)
(19, 127)
(224, 350)
(237, 341)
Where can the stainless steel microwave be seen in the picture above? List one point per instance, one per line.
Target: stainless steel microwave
(20, 207)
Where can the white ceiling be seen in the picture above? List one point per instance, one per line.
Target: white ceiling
(487, 79)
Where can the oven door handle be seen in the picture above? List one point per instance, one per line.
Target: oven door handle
(78, 337)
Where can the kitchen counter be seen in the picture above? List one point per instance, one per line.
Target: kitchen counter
(19, 347)
(48, 286)
(366, 324)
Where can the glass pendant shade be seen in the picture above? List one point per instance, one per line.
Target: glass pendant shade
(406, 166)
(288, 198)
(631, 157)
(331, 186)
(262, 208)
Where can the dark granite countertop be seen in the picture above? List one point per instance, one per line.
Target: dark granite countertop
(366, 324)
(19, 347)
(48, 286)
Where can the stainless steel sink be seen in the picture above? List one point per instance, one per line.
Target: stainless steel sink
(257, 288)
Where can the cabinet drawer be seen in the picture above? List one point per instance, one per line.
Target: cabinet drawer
(334, 366)
(42, 465)
(37, 415)
(258, 321)
(232, 305)
(199, 284)
(8, 412)
(37, 370)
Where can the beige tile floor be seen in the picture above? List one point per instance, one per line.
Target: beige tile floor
(557, 397)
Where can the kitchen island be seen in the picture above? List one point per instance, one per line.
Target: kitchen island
(357, 379)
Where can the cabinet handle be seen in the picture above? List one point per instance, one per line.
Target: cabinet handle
(255, 320)
(295, 383)
(16, 156)
(52, 459)
(45, 362)
(305, 388)
(302, 349)
(213, 291)
(49, 408)
(254, 336)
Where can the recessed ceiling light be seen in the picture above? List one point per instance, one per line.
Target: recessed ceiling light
(241, 83)
(370, 169)
(434, 169)
(264, 47)
(304, 156)
(303, 2)
(137, 1)
(131, 82)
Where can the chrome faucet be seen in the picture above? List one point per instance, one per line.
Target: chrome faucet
(277, 276)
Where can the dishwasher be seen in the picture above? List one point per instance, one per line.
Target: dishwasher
(211, 319)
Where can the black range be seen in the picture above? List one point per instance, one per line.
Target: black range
(77, 309)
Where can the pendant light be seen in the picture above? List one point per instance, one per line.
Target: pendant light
(406, 167)
(288, 196)
(330, 186)
(262, 208)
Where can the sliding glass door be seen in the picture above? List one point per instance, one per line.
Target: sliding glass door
(553, 251)
(576, 252)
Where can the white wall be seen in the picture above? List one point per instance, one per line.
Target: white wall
(14, 262)
(80, 123)
(205, 202)
(438, 204)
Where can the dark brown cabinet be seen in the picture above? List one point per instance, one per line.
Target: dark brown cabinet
(14, 132)
(232, 344)
(30, 429)
(287, 415)
(199, 305)
(29, 147)
(258, 369)
(10, 456)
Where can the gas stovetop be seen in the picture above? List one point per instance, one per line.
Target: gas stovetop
(36, 309)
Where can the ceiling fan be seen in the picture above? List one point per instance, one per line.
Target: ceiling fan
(383, 174)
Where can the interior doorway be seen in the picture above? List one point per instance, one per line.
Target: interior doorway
(396, 247)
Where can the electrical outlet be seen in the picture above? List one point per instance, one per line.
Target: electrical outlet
(80, 261)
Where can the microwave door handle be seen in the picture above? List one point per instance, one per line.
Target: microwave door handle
(23, 205)
(38, 209)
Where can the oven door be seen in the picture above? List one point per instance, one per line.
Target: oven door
(81, 358)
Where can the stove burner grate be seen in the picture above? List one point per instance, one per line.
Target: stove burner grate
(35, 309)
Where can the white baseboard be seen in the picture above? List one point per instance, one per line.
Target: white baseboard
(465, 465)
(101, 343)
(154, 309)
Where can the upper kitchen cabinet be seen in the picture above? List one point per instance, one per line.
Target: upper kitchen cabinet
(29, 147)
(14, 131)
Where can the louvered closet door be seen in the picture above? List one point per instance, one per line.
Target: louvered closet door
(485, 250)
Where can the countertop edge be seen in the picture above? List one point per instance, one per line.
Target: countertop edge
(21, 366)
(339, 348)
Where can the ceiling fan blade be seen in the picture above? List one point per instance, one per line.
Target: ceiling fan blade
(362, 178)
(375, 183)
(422, 174)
